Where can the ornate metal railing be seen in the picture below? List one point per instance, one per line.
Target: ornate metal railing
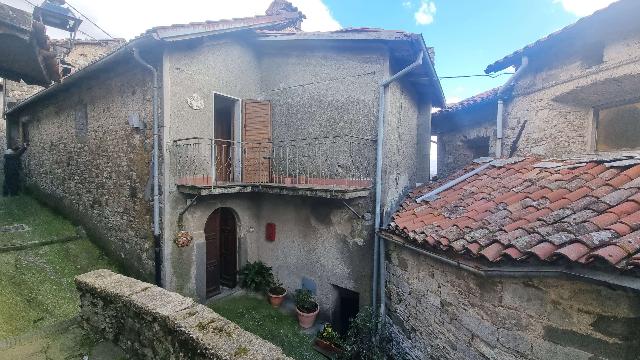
(346, 161)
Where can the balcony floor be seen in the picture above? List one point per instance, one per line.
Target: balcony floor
(317, 191)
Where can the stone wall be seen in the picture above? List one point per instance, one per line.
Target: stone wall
(549, 117)
(148, 322)
(441, 312)
(86, 160)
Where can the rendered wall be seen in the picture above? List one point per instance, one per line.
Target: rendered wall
(440, 312)
(315, 91)
(318, 239)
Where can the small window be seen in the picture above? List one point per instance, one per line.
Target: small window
(618, 128)
(81, 121)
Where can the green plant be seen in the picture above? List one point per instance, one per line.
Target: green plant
(305, 302)
(276, 288)
(329, 335)
(369, 339)
(256, 276)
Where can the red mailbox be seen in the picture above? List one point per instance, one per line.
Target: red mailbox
(271, 232)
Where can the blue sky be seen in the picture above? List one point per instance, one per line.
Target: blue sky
(467, 35)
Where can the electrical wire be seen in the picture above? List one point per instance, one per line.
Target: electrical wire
(493, 76)
(89, 20)
(85, 34)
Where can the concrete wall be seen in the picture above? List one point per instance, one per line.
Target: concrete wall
(318, 239)
(565, 127)
(440, 312)
(101, 178)
(148, 322)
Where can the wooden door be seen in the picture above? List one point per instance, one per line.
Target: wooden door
(256, 135)
(212, 237)
(228, 249)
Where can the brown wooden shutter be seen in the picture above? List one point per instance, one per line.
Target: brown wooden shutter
(256, 137)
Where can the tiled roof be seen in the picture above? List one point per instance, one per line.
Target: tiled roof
(622, 11)
(580, 211)
(482, 98)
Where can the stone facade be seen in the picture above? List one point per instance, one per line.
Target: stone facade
(551, 114)
(148, 322)
(86, 160)
(441, 312)
(465, 135)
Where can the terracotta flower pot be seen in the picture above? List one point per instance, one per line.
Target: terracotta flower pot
(307, 320)
(327, 346)
(276, 300)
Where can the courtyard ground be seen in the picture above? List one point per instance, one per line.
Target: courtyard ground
(279, 327)
(40, 254)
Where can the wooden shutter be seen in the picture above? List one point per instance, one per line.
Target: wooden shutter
(256, 137)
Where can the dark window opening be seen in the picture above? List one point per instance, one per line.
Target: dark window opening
(224, 113)
(478, 147)
(618, 128)
(347, 307)
(81, 120)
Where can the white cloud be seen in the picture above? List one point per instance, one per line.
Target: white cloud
(426, 12)
(453, 99)
(407, 4)
(584, 7)
(127, 19)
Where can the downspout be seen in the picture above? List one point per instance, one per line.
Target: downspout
(156, 182)
(502, 95)
(378, 248)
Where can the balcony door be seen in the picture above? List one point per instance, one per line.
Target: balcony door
(227, 135)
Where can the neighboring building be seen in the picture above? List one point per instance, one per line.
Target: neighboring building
(466, 131)
(76, 57)
(267, 150)
(521, 257)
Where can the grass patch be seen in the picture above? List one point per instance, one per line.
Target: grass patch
(44, 224)
(258, 317)
(36, 284)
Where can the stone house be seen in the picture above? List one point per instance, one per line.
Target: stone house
(265, 138)
(534, 255)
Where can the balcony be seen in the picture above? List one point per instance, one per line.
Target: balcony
(339, 167)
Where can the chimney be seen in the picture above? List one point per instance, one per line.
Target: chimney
(284, 7)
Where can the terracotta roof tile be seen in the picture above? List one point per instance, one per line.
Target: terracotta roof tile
(604, 220)
(515, 210)
(625, 208)
(621, 228)
(618, 196)
(633, 173)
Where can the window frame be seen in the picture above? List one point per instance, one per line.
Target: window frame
(595, 123)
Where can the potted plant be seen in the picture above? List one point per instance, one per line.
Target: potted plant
(256, 277)
(276, 294)
(329, 340)
(306, 307)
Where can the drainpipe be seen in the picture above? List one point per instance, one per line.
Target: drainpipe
(156, 182)
(378, 248)
(502, 95)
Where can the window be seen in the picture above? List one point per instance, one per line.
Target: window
(81, 121)
(618, 128)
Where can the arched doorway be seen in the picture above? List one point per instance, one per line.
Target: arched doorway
(221, 235)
